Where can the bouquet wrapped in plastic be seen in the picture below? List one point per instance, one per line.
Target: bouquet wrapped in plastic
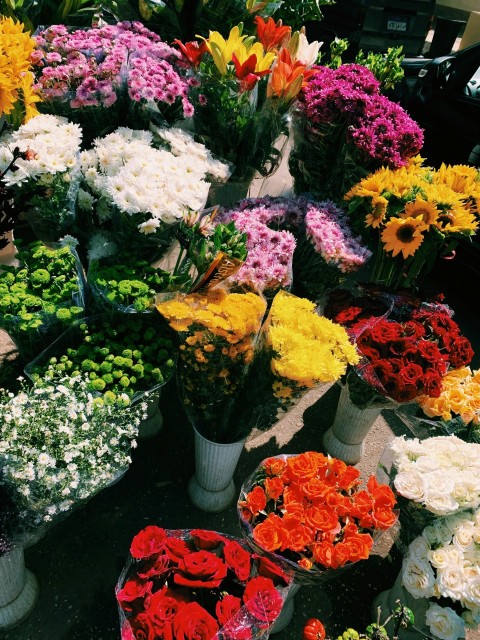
(41, 297)
(46, 178)
(197, 583)
(307, 513)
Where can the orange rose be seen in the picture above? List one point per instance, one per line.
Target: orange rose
(301, 467)
(323, 553)
(293, 498)
(270, 534)
(341, 555)
(382, 495)
(359, 546)
(273, 488)
(322, 519)
(256, 500)
(383, 518)
(349, 479)
(314, 489)
(362, 504)
(274, 466)
(305, 563)
(339, 503)
(298, 539)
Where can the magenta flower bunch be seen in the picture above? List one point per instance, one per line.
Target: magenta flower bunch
(295, 241)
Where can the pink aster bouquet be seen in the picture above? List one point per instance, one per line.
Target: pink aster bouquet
(86, 74)
(296, 241)
(197, 584)
(411, 215)
(344, 129)
(239, 112)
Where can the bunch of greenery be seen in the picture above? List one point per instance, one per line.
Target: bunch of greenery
(128, 284)
(124, 355)
(42, 295)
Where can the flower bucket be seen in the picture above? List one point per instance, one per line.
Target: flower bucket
(287, 611)
(153, 423)
(211, 489)
(228, 193)
(8, 255)
(345, 438)
(18, 589)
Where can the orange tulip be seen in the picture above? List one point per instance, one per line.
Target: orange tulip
(287, 77)
(270, 33)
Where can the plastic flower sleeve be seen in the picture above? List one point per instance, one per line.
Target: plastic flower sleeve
(43, 296)
(239, 594)
(312, 553)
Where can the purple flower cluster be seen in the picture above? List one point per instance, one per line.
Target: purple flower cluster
(350, 96)
(327, 228)
(87, 67)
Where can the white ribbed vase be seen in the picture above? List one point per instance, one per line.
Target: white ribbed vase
(18, 589)
(387, 601)
(287, 611)
(345, 438)
(211, 489)
(153, 423)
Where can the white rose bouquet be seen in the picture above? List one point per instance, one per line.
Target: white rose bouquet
(59, 445)
(433, 478)
(46, 177)
(442, 565)
(137, 185)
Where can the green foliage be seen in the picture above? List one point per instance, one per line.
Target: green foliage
(386, 67)
(34, 13)
(295, 13)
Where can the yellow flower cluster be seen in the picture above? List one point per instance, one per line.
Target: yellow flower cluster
(406, 204)
(308, 348)
(16, 79)
(460, 397)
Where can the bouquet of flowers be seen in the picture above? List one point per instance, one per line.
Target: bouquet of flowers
(16, 78)
(94, 75)
(122, 356)
(197, 584)
(409, 216)
(136, 190)
(40, 297)
(295, 241)
(59, 445)
(44, 180)
(433, 478)
(455, 411)
(441, 565)
(237, 115)
(344, 128)
(308, 513)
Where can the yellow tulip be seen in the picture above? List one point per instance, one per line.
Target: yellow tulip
(221, 49)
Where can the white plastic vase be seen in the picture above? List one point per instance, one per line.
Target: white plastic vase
(387, 601)
(153, 423)
(287, 611)
(345, 438)
(8, 255)
(211, 489)
(18, 589)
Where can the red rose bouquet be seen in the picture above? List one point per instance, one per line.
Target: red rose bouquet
(191, 584)
(308, 513)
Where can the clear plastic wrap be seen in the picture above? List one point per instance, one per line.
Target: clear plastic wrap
(208, 580)
(289, 489)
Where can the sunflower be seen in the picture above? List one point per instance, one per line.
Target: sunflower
(378, 212)
(403, 235)
(8, 94)
(422, 209)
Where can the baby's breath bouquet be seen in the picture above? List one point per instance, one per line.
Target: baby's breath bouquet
(45, 179)
(60, 445)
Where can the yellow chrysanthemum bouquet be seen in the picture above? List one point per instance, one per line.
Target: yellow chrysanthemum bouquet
(17, 97)
(234, 373)
(411, 215)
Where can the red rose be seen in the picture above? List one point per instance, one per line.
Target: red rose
(206, 540)
(226, 608)
(232, 632)
(143, 627)
(411, 374)
(429, 351)
(365, 339)
(385, 331)
(347, 315)
(383, 370)
(269, 569)
(162, 608)
(413, 329)
(200, 569)
(401, 346)
(133, 593)
(148, 542)
(432, 383)
(262, 599)
(193, 622)
(461, 352)
(371, 353)
(237, 559)
(155, 568)
(177, 549)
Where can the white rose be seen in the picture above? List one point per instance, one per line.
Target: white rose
(444, 557)
(419, 548)
(463, 536)
(472, 590)
(439, 503)
(444, 622)
(418, 578)
(426, 464)
(438, 481)
(451, 582)
(410, 485)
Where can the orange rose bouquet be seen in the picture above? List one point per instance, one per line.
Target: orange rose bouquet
(309, 513)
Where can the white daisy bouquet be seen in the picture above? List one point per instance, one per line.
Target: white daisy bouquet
(434, 478)
(46, 177)
(59, 445)
(442, 565)
(137, 185)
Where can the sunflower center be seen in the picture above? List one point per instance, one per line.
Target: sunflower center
(425, 213)
(405, 233)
